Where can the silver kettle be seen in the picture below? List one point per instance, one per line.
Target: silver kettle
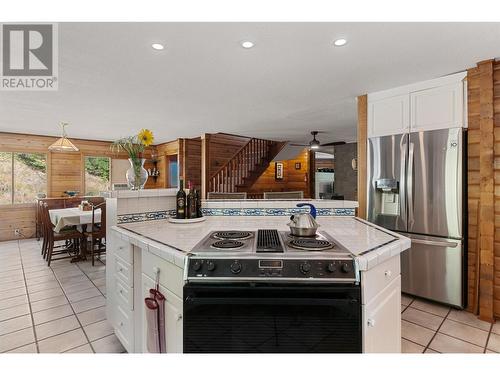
(304, 224)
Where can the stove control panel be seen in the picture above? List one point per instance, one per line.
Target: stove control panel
(341, 270)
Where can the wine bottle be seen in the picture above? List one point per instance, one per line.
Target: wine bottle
(191, 203)
(197, 197)
(181, 201)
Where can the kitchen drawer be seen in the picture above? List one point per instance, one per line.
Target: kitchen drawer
(377, 278)
(171, 276)
(124, 271)
(124, 295)
(121, 248)
(124, 328)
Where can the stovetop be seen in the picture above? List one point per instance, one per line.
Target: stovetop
(271, 256)
(267, 242)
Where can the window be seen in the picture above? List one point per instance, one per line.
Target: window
(22, 177)
(97, 174)
(173, 171)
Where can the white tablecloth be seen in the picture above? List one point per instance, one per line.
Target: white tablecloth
(72, 216)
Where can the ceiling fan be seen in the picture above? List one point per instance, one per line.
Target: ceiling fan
(316, 145)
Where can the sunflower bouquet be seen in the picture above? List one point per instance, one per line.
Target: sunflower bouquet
(134, 146)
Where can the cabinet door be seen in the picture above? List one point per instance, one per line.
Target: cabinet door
(173, 317)
(388, 116)
(382, 321)
(437, 108)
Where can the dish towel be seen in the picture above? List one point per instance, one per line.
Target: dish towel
(155, 318)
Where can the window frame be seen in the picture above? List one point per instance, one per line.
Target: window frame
(84, 180)
(12, 177)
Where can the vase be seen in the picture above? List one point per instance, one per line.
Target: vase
(136, 174)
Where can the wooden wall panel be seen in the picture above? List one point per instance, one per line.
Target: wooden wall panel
(222, 148)
(325, 163)
(293, 180)
(362, 154)
(64, 172)
(483, 179)
(496, 160)
(191, 169)
(17, 217)
(473, 180)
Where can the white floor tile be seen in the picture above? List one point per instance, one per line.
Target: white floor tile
(16, 339)
(411, 347)
(109, 344)
(62, 342)
(88, 304)
(14, 312)
(15, 324)
(447, 344)
(422, 318)
(52, 314)
(56, 327)
(92, 316)
(464, 332)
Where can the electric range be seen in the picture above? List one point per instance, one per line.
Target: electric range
(268, 254)
(266, 291)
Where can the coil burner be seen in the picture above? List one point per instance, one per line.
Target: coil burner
(310, 244)
(227, 244)
(232, 235)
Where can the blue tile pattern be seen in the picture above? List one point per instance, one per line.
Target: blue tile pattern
(158, 215)
(144, 216)
(275, 211)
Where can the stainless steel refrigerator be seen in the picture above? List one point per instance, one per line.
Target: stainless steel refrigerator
(416, 186)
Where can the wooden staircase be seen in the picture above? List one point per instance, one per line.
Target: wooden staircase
(240, 172)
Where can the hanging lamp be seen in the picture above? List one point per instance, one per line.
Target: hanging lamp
(63, 143)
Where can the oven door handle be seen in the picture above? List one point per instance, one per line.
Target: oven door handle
(268, 301)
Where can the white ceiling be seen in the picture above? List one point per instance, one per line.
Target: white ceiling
(112, 83)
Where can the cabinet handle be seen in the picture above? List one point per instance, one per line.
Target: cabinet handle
(121, 291)
(121, 324)
(388, 273)
(121, 269)
(371, 322)
(179, 317)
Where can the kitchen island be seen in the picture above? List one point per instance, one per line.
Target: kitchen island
(140, 253)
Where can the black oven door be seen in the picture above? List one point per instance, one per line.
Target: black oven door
(263, 318)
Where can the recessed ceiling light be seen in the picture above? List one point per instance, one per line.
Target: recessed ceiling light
(340, 42)
(247, 44)
(157, 46)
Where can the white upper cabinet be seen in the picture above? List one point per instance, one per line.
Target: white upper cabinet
(437, 108)
(436, 104)
(389, 115)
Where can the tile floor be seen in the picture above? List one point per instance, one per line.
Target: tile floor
(52, 310)
(62, 309)
(428, 327)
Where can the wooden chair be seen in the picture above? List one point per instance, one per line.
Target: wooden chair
(96, 234)
(215, 195)
(71, 237)
(284, 195)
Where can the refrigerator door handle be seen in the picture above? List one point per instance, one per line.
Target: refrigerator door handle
(411, 219)
(435, 243)
(402, 179)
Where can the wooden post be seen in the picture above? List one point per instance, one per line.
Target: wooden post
(362, 153)
(205, 164)
(487, 190)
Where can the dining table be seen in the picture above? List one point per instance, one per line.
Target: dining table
(74, 217)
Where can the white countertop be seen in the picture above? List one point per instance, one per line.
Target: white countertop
(369, 243)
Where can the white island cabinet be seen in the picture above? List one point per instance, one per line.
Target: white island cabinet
(141, 253)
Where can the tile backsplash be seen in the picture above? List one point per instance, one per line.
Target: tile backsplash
(151, 207)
